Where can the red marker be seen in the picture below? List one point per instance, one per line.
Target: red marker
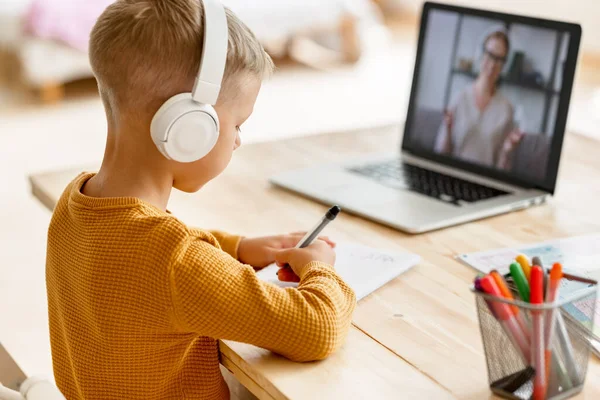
(506, 316)
(537, 297)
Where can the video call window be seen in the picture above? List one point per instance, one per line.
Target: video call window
(488, 92)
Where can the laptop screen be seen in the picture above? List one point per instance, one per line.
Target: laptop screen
(491, 93)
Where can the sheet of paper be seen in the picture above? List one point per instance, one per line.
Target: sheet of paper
(363, 268)
(578, 256)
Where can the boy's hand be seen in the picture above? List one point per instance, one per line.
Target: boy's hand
(298, 259)
(260, 252)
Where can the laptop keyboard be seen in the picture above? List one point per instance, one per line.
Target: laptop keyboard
(399, 175)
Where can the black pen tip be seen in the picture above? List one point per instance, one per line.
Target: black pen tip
(333, 212)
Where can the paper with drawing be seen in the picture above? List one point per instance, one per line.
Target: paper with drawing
(365, 269)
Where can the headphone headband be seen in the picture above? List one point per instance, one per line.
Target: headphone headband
(214, 54)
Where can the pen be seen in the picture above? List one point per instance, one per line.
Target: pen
(520, 280)
(537, 297)
(524, 263)
(314, 233)
(506, 317)
(508, 295)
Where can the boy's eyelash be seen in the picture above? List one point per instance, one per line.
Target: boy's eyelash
(239, 129)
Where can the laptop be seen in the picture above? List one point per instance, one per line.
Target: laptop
(484, 128)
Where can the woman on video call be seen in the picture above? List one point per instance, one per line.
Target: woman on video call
(478, 126)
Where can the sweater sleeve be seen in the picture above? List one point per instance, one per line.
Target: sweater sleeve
(215, 295)
(229, 243)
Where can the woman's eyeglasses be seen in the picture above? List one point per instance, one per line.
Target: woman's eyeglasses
(496, 58)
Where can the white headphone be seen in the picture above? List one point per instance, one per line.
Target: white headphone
(186, 127)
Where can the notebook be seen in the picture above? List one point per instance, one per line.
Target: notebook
(363, 268)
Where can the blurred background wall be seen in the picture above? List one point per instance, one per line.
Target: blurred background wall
(585, 12)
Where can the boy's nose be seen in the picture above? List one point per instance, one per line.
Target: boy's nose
(238, 142)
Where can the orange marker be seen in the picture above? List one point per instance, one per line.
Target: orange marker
(509, 296)
(556, 275)
(525, 264)
(503, 288)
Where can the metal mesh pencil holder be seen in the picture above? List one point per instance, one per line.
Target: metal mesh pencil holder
(508, 329)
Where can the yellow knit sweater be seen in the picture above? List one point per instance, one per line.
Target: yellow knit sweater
(137, 301)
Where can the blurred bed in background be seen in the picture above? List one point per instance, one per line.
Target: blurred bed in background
(49, 38)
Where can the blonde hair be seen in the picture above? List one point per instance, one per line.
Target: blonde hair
(501, 35)
(144, 51)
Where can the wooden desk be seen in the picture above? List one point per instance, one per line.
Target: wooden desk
(418, 336)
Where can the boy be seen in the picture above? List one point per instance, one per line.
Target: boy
(137, 300)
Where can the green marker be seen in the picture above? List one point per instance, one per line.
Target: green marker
(520, 280)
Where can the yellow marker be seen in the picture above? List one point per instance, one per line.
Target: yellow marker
(525, 265)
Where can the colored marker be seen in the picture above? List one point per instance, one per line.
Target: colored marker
(507, 294)
(479, 288)
(537, 297)
(477, 284)
(506, 317)
(567, 350)
(524, 263)
(551, 296)
(538, 261)
(520, 280)
(551, 289)
(563, 338)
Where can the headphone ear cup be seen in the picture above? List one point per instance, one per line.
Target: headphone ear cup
(191, 136)
(183, 130)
